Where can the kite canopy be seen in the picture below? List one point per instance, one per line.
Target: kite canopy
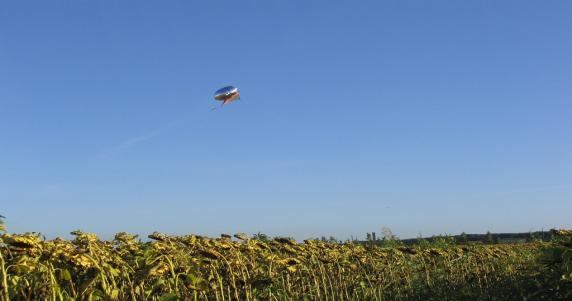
(227, 94)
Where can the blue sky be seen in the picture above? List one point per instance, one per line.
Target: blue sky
(424, 116)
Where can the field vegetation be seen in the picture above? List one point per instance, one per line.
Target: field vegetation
(192, 267)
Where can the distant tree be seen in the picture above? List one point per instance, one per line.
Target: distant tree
(533, 236)
(2, 226)
(463, 238)
(489, 238)
(333, 240)
(368, 236)
(373, 236)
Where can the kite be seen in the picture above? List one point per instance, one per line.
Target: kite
(227, 94)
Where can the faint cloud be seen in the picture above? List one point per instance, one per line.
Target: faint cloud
(122, 147)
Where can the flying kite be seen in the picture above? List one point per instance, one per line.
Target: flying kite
(227, 94)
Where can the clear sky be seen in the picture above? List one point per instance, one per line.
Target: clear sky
(424, 116)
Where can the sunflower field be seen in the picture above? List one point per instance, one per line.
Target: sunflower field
(193, 267)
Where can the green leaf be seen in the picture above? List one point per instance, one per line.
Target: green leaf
(65, 275)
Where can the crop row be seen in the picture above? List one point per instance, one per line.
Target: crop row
(192, 267)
